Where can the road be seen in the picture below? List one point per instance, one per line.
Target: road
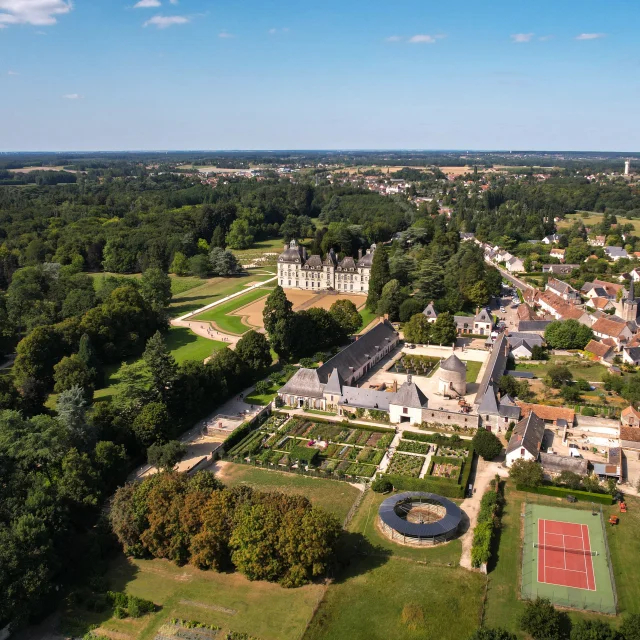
(521, 284)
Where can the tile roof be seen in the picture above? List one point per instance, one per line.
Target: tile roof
(630, 434)
(549, 414)
(597, 348)
(528, 433)
(630, 411)
(609, 327)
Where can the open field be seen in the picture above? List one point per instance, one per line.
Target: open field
(256, 253)
(580, 368)
(28, 169)
(179, 284)
(332, 495)
(589, 218)
(229, 600)
(212, 290)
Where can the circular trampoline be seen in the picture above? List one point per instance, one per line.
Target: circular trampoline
(419, 518)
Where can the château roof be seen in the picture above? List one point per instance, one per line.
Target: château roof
(409, 395)
(304, 382)
(292, 254)
(453, 363)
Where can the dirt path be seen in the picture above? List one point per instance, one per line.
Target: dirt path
(485, 472)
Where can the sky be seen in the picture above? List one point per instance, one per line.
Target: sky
(92, 75)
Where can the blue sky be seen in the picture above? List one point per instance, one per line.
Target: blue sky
(282, 74)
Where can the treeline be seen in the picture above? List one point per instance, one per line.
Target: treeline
(39, 177)
(265, 536)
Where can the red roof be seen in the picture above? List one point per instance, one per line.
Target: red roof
(597, 348)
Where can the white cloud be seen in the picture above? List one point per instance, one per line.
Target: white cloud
(145, 4)
(422, 38)
(12, 73)
(163, 22)
(393, 39)
(590, 36)
(521, 37)
(72, 96)
(225, 34)
(36, 12)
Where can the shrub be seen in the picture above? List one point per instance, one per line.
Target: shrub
(541, 620)
(527, 473)
(486, 444)
(381, 485)
(119, 613)
(588, 411)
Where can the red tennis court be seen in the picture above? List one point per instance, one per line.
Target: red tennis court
(564, 555)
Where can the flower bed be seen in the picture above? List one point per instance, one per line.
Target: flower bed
(404, 465)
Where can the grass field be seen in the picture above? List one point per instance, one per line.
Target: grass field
(593, 217)
(265, 398)
(212, 290)
(230, 601)
(222, 316)
(253, 253)
(332, 495)
(179, 284)
(580, 368)
(473, 369)
(367, 318)
(186, 345)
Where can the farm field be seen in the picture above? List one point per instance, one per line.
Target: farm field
(212, 290)
(261, 609)
(336, 497)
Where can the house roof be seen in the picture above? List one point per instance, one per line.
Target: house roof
(314, 262)
(609, 327)
(496, 366)
(292, 254)
(483, 316)
(489, 403)
(557, 464)
(528, 433)
(358, 353)
(519, 336)
(630, 412)
(334, 384)
(634, 353)
(630, 435)
(560, 269)
(616, 252)
(597, 348)
(525, 312)
(430, 311)
(599, 303)
(409, 395)
(347, 263)
(508, 408)
(367, 259)
(548, 414)
(533, 325)
(304, 382)
(366, 398)
(453, 363)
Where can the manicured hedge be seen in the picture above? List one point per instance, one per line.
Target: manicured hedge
(466, 470)
(304, 454)
(444, 488)
(349, 425)
(437, 438)
(561, 492)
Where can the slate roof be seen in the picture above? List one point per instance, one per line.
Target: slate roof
(557, 464)
(495, 366)
(559, 269)
(304, 382)
(483, 316)
(528, 433)
(334, 384)
(515, 338)
(365, 398)
(508, 408)
(489, 403)
(348, 264)
(634, 353)
(409, 395)
(314, 262)
(358, 353)
(292, 254)
(430, 311)
(367, 258)
(453, 363)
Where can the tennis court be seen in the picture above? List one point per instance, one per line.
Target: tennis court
(565, 558)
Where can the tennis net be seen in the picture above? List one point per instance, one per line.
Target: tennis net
(549, 547)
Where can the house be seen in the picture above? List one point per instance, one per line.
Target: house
(559, 269)
(613, 328)
(557, 253)
(631, 355)
(563, 290)
(559, 308)
(515, 265)
(553, 465)
(481, 324)
(630, 417)
(407, 404)
(495, 415)
(495, 368)
(601, 304)
(597, 241)
(552, 415)
(430, 312)
(630, 438)
(465, 237)
(615, 253)
(521, 344)
(526, 440)
(599, 350)
(552, 239)
(635, 275)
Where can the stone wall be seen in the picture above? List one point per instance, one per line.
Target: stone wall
(445, 419)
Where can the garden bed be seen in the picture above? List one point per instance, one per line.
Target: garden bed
(405, 465)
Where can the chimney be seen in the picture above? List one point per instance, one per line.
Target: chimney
(409, 378)
(286, 246)
(359, 254)
(304, 253)
(478, 310)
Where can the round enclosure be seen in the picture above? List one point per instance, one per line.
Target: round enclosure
(419, 518)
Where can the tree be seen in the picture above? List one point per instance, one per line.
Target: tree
(199, 265)
(223, 262)
(558, 376)
(72, 413)
(570, 479)
(253, 349)
(444, 329)
(630, 627)
(110, 460)
(593, 630)
(161, 364)
(72, 371)
(527, 473)
(570, 393)
(378, 277)
(180, 264)
(166, 456)
(541, 620)
(431, 280)
(88, 355)
(346, 315)
(155, 286)
(240, 235)
(277, 307)
(492, 634)
(486, 444)
(418, 329)
(409, 308)
(391, 298)
(152, 424)
(567, 334)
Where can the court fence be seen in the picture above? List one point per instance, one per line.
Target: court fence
(609, 563)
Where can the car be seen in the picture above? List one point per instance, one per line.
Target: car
(502, 310)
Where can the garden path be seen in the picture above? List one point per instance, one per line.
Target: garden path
(425, 466)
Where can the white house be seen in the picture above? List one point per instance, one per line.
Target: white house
(407, 404)
(526, 440)
(631, 355)
(557, 253)
(615, 253)
(515, 265)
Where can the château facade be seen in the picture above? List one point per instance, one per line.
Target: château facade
(297, 270)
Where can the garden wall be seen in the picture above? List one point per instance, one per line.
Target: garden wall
(448, 418)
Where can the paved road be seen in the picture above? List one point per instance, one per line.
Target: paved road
(521, 284)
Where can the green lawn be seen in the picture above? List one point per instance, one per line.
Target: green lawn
(593, 217)
(221, 315)
(580, 368)
(212, 290)
(367, 317)
(186, 345)
(179, 284)
(261, 609)
(263, 398)
(503, 605)
(473, 369)
(258, 250)
(332, 495)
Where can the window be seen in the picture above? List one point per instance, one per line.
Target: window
(405, 410)
(522, 452)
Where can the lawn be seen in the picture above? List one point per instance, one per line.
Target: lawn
(222, 316)
(473, 369)
(186, 345)
(593, 217)
(503, 604)
(367, 317)
(179, 284)
(334, 496)
(579, 368)
(212, 290)
(230, 601)
(265, 398)
(258, 250)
